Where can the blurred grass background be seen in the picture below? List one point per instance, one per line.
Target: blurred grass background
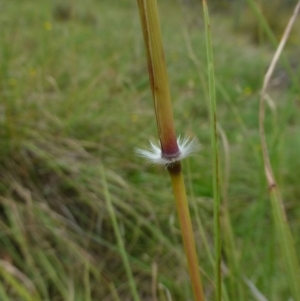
(75, 98)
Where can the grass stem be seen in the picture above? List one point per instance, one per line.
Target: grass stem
(215, 156)
(166, 130)
(186, 229)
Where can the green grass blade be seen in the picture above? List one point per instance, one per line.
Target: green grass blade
(17, 285)
(215, 156)
(87, 285)
(286, 241)
(120, 242)
(3, 294)
(54, 271)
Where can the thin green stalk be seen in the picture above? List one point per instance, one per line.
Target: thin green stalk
(114, 292)
(198, 218)
(265, 27)
(120, 243)
(202, 231)
(229, 241)
(198, 66)
(215, 156)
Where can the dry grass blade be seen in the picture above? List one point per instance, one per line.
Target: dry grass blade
(268, 75)
(283, 231)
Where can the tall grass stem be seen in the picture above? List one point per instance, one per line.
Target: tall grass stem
(186, 229)
(170, 146)
(215, 156)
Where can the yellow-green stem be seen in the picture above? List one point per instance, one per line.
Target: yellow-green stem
(165, 123)
(186, 229)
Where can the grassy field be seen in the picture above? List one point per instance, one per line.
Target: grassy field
(75, 102)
